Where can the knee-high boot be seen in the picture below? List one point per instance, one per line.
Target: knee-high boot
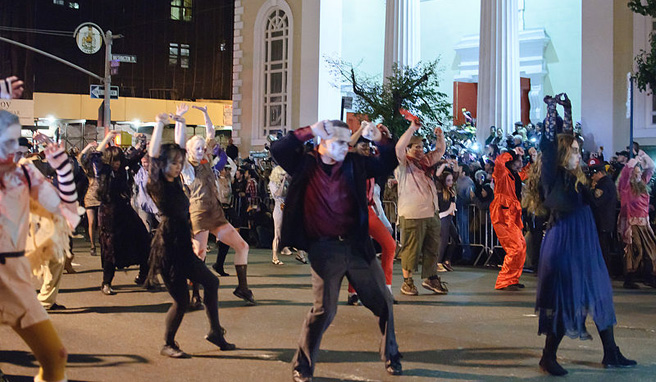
(548, 362)
(612, 355)
(242, 290)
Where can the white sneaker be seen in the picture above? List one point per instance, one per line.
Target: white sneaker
(440, 267)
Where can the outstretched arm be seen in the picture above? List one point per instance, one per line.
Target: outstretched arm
(563, 100)
(357, 134)
(404, 141)
(180, 128)
(209, 127)
(86, 149)
(549, 144)
(110, 135)
(440, 147)
(156, 139)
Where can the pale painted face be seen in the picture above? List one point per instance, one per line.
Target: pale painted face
(9, 142)
(574, 157)
(196, 150)
(336, 147)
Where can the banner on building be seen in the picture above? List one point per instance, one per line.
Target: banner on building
(23, 108)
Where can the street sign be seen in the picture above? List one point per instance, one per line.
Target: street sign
(127, 58)
(98, 91)
(347, 102)
(89, 38)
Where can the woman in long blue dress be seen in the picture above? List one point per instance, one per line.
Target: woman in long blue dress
(572, 278)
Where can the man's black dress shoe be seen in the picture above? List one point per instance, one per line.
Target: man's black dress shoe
(393, 366)
(297, 376)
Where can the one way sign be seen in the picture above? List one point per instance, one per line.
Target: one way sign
(98, 91)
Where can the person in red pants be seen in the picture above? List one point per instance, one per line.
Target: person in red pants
(506, 216)
(378, 230)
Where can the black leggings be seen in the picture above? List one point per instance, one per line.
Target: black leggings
(197, 272)
(448, 230)
(109, 269)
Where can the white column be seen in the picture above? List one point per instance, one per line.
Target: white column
(597, 76)
(499, 92)
(401, 34)
(321, 36)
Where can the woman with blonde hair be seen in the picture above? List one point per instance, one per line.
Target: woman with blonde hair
(572, 277)
(638, 237)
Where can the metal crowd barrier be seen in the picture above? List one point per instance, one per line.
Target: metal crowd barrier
(241, 205)
(481, 233)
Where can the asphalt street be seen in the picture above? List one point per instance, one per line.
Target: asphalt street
(472, 334)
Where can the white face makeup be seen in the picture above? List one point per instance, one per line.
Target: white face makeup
(9, 142)
(574, 157)
(196, 149)
(337, 147)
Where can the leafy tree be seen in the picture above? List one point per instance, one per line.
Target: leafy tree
(645, 61)
(410, 88)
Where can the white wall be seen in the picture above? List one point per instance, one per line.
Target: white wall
(445, 22)
(561, 20)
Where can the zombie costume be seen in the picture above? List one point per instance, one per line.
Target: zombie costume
(172, 255)
(506, 216)
(326, 213)
(124, 240)
(21, 185)
(634, 227)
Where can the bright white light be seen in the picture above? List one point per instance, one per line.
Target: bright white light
(475, 146)
(533, 139)
(136, 122)
(51, 119)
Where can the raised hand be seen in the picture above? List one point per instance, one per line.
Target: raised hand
(563, 100)
(203, 108)
(41, 138)
(16, 87)
(519, 151)
(181, 109)
(322, 129)
(178, 118)
(439, 134)
(384, 131)
(163, 118)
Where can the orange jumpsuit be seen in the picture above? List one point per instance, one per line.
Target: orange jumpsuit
(506, 216)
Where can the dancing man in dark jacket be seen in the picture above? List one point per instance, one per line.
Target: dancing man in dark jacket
(326, 215)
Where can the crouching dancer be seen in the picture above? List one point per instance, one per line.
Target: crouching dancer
(20, 184)
(326, 214)
(172, 253)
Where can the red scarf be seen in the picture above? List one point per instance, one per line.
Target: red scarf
(423, 165)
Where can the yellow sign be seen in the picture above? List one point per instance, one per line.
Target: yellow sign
(23, 108)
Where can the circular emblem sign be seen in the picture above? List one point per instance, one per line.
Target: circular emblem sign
(89, 38)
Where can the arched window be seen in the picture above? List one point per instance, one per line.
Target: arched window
(272, 68)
